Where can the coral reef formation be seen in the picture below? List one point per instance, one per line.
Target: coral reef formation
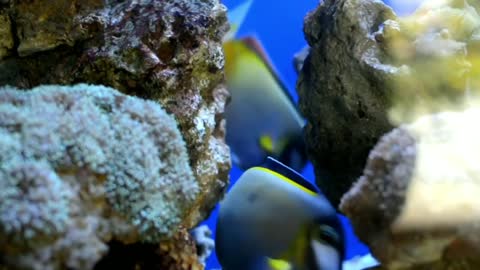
(416, 204)
(83, 165)
(167, 51)
(369, 71)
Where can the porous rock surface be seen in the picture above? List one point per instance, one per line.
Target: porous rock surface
(369, 70)
(167, 51)
(343, 92)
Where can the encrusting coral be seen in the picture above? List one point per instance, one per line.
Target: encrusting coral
(84, 165)
(168, 51)
(416, 204)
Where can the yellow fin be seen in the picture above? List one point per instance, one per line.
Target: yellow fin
(279, 264)
(266, 143)
(276, 148)
(297, 251)
(289, 181)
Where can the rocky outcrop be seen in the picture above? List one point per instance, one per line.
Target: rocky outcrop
(369, 71)
(343, 92)
(167, 51)
(177, 253)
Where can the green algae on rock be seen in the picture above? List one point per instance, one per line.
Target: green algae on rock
(6, 38)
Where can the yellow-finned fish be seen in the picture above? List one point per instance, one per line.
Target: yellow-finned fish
(262, 118)
(274, 219)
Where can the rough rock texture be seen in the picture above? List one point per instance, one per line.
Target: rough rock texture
(342, 90)
(368, 71)
(168, 51)
(82, 165)
(178, 253)
(6, 38)
(416, 204)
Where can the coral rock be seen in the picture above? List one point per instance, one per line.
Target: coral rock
(178, 253)
(368, 71)
(416, 204)
(168, 51)
(176, 257)
(6, 38)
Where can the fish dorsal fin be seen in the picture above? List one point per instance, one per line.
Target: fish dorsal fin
(236, 16)
(256, 47)
(291, 175)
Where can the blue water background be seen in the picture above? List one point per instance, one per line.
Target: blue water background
(278, 25)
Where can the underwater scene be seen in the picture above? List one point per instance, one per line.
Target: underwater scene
(240, 135)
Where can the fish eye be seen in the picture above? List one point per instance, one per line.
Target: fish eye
(326, 233)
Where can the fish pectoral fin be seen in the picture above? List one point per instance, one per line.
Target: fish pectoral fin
(235, 159)
(277, 264)
(273, 146)
(266, 143)
(323, 256)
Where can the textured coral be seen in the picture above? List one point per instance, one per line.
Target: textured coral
(438, 47)
(416, 204)
(82, 165)
(169, 51)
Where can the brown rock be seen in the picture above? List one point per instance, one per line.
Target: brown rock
(343, 92)
(179, 253)
(6, 37)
